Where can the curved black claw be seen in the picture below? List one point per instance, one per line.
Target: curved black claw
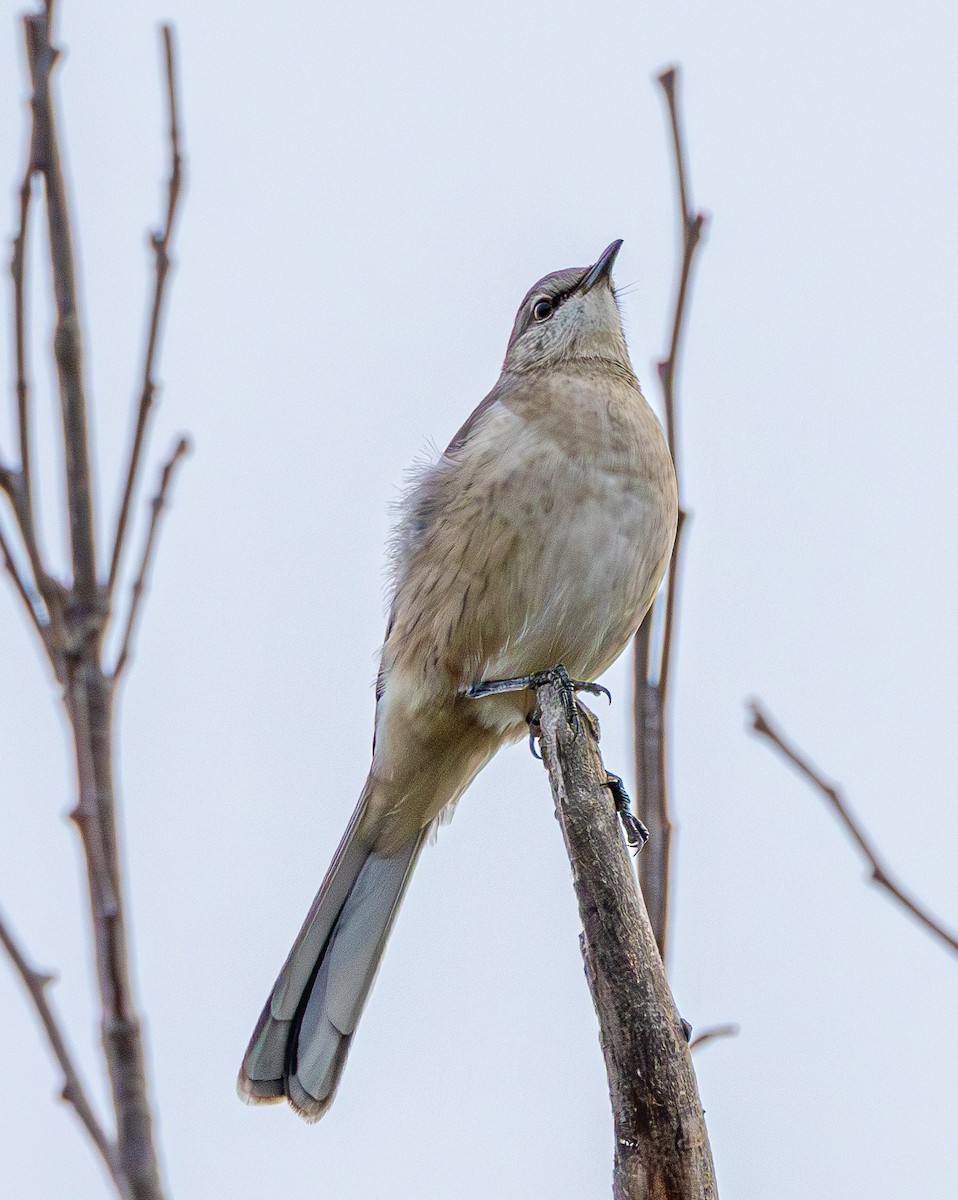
(595, 689)
(534, 732)
(636, 833)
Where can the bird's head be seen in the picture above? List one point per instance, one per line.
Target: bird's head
(567, 316)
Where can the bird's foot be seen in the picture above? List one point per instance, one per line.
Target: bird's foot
(557, 674)
(636, 833)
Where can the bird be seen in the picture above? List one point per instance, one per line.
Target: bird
(536, 540)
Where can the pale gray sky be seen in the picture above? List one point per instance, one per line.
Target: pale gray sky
(372, 190)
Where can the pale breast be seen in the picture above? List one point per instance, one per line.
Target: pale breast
(541, 540)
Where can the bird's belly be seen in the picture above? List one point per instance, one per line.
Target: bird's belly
(583, 589)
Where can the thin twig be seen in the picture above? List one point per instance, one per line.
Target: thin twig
(879, 873)
(73, 1092)
(653, 657)
(670, 619)
(161, 252)
(20, 337)
(712, 1034)
(67, 342)
(20, 584)
(20, 489)
(158, 503)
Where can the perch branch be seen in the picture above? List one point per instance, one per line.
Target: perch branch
(158, 504)
(661, 1145)
(73, 1092)
(653, 658)
(879, 873)
(160, 241)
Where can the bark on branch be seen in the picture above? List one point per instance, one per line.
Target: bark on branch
(661, 1145)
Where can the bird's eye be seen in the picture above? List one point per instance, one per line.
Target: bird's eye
(542, 310)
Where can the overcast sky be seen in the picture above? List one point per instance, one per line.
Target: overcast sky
(372, 189)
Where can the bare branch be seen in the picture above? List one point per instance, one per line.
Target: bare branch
(77, 614)
(691, 225)
(74, 1093)
(158, 503)
(653, 658)
(661, 1145)
(67, 342)
(712, 1034)
(160, 242)
(879, 873)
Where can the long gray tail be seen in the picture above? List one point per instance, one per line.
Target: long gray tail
(301, 1040)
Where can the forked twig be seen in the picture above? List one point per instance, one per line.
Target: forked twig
(879, 873)
(160, 242)
(157, 504)
(73, 1092)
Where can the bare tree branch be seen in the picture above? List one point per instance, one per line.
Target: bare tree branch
(73, 1092)
(653, 655)
(713, 1033)
(692, 226)
(67, 342)
(879, 873)
(160, 242)
(77, 614)
(661, 1145)
(159, 502)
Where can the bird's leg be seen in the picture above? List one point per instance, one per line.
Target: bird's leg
(636, 833)
(557, 674)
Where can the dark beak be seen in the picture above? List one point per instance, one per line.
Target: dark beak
(602, 269)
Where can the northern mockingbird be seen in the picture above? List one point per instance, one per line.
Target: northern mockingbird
(539, 538)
